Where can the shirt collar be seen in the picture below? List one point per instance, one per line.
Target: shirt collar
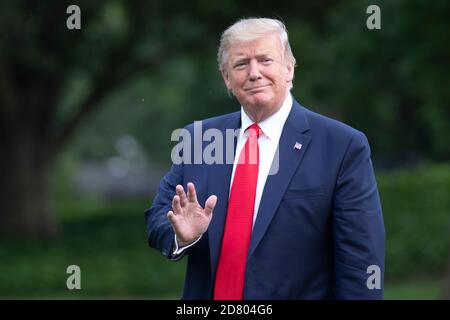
(272, 127)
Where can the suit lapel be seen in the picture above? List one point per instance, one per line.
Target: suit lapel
(219, 176)
(290, 158)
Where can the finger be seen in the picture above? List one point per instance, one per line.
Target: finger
(210, 204)
(182, 195)
(192, 195)
(172, 218)
(176, 206)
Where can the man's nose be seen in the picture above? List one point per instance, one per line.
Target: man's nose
(254, 73)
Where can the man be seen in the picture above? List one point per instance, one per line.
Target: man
(296, 215)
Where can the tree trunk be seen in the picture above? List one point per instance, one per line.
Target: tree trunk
(24, 188)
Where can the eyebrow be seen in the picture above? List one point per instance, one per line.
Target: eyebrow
(245, 58)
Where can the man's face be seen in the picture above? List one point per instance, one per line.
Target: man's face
(258, 75)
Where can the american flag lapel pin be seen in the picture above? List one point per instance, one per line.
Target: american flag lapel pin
(297, 146)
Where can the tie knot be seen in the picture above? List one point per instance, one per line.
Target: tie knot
(254, 129)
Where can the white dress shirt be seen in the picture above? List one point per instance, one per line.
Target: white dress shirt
(271, 128)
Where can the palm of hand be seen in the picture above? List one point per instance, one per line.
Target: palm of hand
(193, 222)
(189, 220)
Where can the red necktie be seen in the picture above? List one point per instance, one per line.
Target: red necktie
(229, 283)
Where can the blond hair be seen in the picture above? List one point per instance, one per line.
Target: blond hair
(250, 29)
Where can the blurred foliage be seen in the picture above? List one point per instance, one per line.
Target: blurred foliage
(413, 290)
(416, 209)
(391, 82)
(115, 261)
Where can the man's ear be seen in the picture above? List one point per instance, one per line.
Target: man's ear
(226, 79)
(289, 72)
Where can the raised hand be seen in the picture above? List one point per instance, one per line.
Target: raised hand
(189, 220)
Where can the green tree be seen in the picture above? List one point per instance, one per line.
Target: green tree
(40, 59)
(391, 82)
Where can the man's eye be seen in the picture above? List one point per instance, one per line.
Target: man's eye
(240, 65)
(267, 61)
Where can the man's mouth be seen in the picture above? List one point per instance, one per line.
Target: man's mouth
(257, 88)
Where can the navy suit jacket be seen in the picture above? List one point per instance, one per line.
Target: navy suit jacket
(319, 226)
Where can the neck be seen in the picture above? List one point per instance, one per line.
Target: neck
(260, 113)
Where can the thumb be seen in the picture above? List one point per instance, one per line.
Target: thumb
(210, 204)
(172, 218)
